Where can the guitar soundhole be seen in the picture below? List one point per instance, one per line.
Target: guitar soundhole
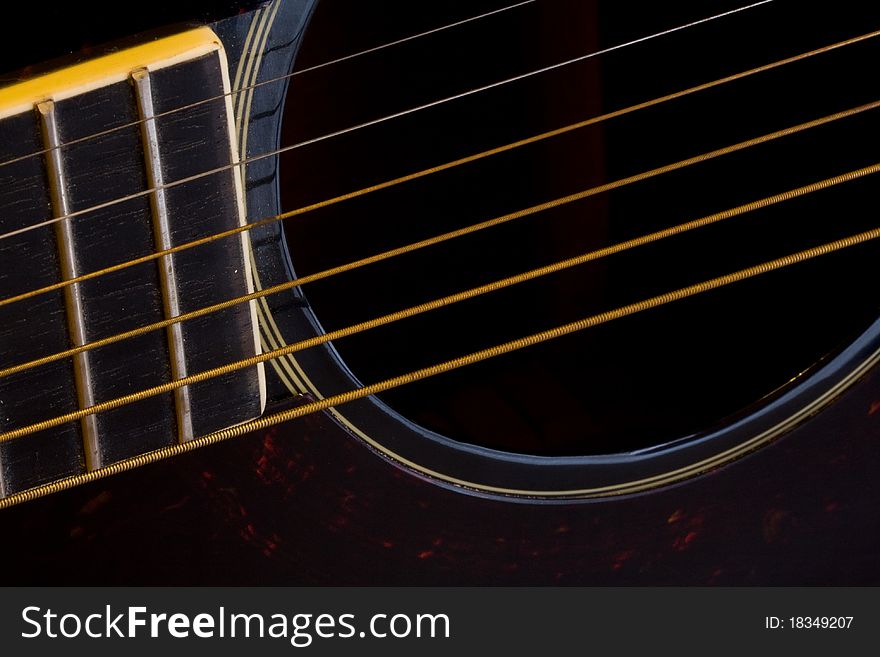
(632, 383)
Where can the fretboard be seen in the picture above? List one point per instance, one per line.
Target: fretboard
(76, 204)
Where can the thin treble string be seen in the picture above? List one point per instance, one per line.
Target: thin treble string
(515, 345)
(435, 169)
(455, 234)
(373, 122)
(420, 35)
(280, 78)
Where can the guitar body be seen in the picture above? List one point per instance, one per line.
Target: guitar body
(365, 497)
(306, 504)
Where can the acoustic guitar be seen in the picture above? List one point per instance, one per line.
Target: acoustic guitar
(529, 292)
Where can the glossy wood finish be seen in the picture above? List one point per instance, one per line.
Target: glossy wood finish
(310, 503)
(631, 390)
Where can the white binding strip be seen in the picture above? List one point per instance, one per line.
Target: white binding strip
(238, 185)
(252, 56)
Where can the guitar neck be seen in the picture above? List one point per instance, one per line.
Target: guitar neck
(72, 206)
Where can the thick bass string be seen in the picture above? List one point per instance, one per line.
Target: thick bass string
(516, 345)
(447, 366)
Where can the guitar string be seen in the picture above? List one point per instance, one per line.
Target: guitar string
(360, 126)
(267, 418)
(437, 239)
(414, 37)
(494, 286)
(280, 78)
(412, 377)
(436, 169)
(440, 368)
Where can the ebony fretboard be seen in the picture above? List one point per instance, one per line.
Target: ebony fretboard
(74, 172)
